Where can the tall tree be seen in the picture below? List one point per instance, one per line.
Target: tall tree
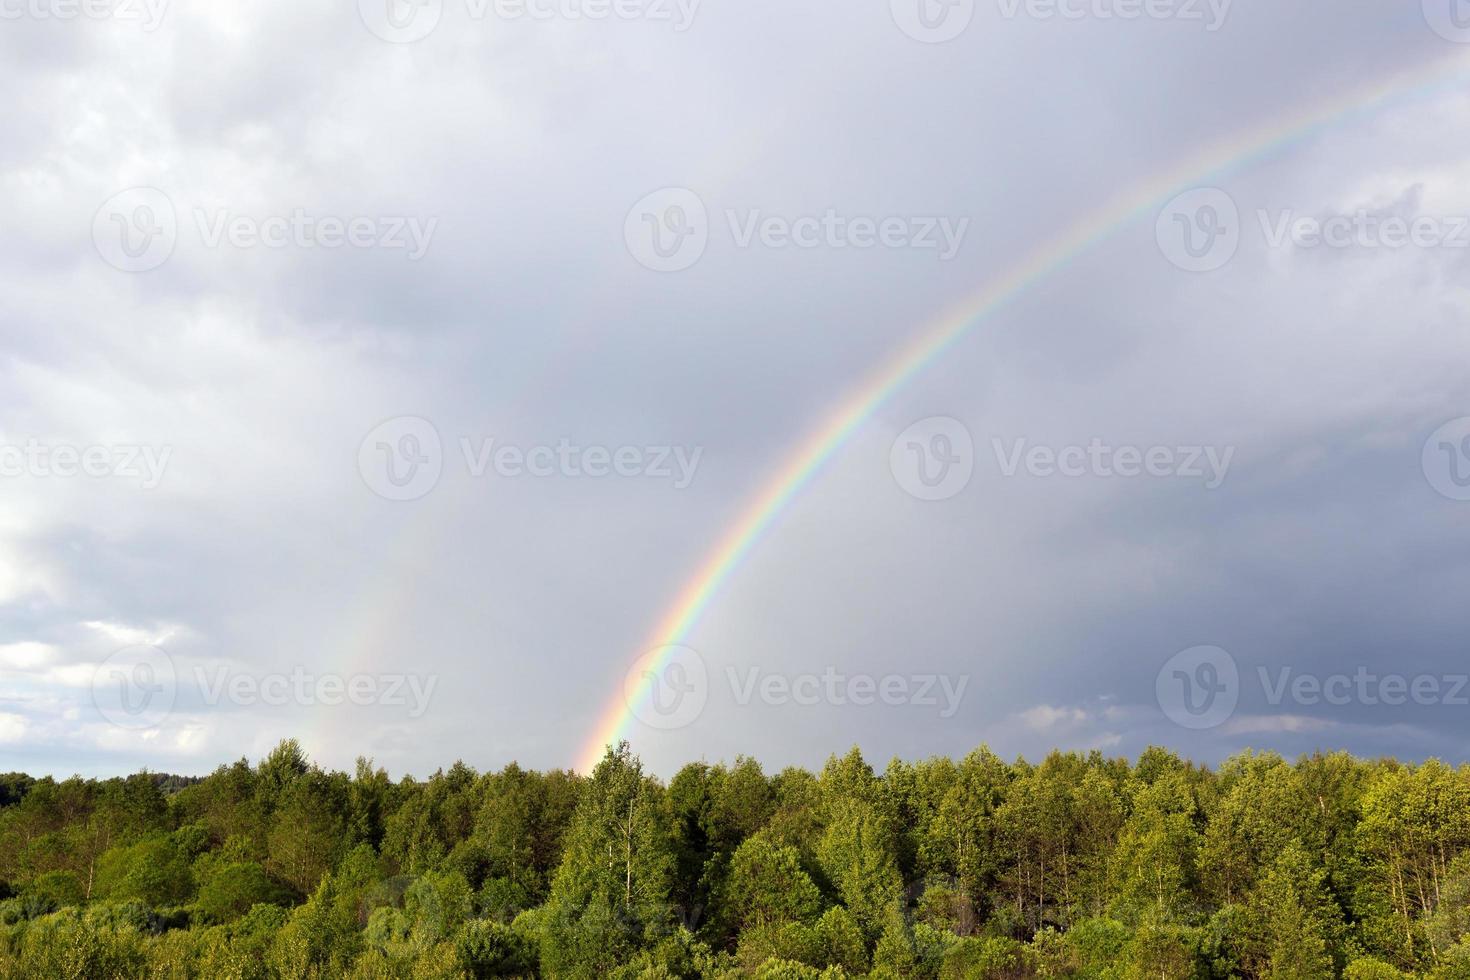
(610, 895)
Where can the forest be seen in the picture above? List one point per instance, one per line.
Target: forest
(1079, 866)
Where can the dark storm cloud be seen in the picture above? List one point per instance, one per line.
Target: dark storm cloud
(528, 321)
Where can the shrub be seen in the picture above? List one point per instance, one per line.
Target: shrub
(234, 889)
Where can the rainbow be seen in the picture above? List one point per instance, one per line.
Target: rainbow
(797, 473)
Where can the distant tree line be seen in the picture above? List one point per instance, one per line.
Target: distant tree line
(1081, 866)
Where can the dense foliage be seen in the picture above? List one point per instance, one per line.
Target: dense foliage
(1079, 866)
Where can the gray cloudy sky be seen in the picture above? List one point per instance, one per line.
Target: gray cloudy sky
(276, 275)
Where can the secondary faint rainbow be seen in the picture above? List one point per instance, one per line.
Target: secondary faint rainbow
(1217, 160)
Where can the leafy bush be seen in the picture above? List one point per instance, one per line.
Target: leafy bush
(231, 891)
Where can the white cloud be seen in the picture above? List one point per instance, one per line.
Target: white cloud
(126, 635)
(1047, 718)
(12, 728)
(1276, 724)
(26, 656)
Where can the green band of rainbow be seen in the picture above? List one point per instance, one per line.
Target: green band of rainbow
(759, 515)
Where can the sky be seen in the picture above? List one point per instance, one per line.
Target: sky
(381, 374)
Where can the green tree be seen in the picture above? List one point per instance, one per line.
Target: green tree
(1155, 859)
(610, 895)
(155, 870)
(768, 886)
(859, 848)
(231, 890)
(1294, 924)
(308, 829)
